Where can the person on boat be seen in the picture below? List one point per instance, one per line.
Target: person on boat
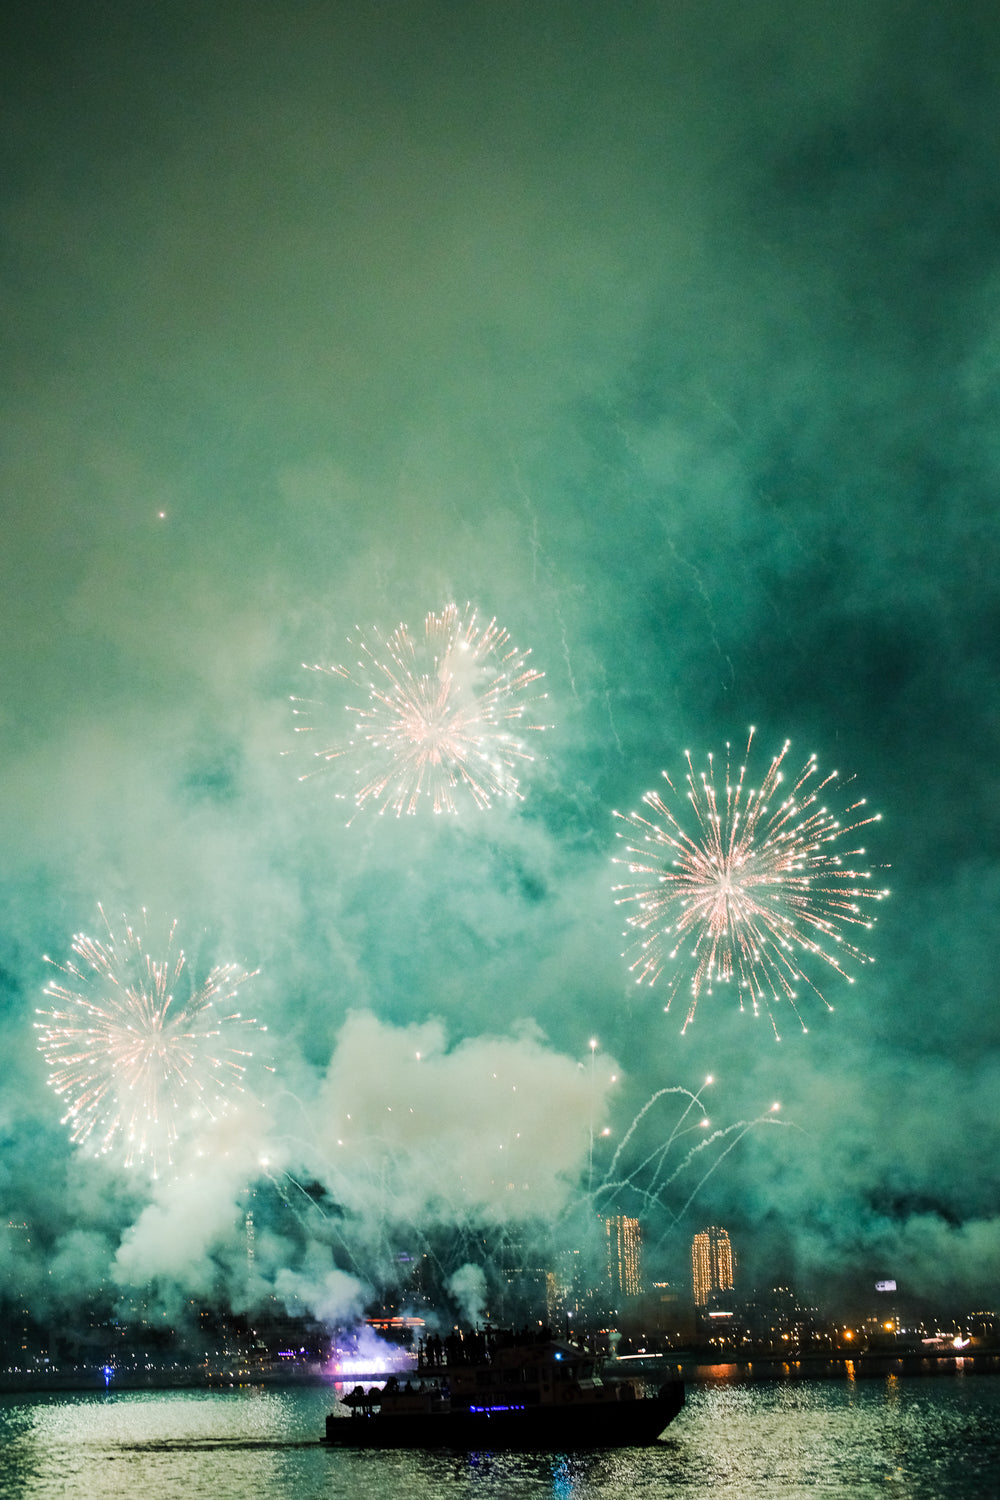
(453, 1347)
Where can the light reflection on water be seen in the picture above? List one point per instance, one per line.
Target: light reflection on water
(916, 1438)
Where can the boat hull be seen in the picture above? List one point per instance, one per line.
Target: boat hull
(545, 1428)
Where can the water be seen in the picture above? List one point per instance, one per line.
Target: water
(913, 1437)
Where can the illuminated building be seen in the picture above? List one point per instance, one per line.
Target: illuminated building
(568, 1293)
(249, 1197)
(711, 1264)
(18, 1333)
(624, 1256)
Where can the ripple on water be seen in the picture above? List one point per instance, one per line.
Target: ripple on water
(917, 1438)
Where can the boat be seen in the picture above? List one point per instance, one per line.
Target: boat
(505, 1392)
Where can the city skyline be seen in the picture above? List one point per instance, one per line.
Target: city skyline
(613, 1311)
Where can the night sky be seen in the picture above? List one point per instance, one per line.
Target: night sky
(667, 334)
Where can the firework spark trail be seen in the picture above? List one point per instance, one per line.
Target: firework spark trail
(440, 715)
(753, 892)
(651, 1191)
(660, 1152)
(371, 1216)
(129, 1053)
(331, 1226)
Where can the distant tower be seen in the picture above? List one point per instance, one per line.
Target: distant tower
(711, 1264)
(624, 1256)
(20, 1331)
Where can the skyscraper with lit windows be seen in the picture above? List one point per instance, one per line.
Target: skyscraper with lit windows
(711, 1264)
(624, 1256)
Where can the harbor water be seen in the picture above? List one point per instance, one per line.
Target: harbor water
(922, 1437)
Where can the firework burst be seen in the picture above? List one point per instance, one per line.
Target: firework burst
(755, 889)
(440, 717)
(136, 1047)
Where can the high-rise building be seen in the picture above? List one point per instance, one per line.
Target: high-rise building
(711, 1264)
(568, 1293)
(249, 1203)
(624, 1256)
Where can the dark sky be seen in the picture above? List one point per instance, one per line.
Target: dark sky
(667, 334)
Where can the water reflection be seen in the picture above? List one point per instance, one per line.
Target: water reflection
(559, 1475)
(919, 1437)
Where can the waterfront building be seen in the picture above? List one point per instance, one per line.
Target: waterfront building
(624, 1244)
(711, 1265)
